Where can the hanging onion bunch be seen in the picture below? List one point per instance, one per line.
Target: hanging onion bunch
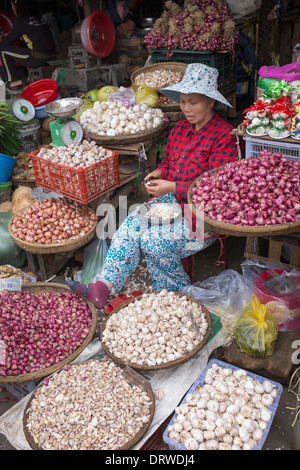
(201, 25)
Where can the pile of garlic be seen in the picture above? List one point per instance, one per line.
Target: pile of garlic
(229, 412)
(87, 406)
(75, 155)
(159, 78)
(156, 329)
(113, 118)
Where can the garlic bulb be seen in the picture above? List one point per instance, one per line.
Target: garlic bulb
(235, 423)
(149, 330)
(114, 118)
(158, 78)
(75, 155)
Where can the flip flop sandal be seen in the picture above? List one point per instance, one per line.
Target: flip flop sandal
(119, 300)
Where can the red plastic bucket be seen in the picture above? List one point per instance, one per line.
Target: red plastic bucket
(41, 92)
(98, 34)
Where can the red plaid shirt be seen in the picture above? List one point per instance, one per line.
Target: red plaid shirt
(189, 154)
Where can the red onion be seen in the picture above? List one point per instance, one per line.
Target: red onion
(261, 190)
(40, 331)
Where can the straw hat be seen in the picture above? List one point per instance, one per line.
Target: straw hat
(198, 78)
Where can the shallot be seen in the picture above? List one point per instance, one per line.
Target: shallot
(53, 221)
(39, 331)
(258, 191)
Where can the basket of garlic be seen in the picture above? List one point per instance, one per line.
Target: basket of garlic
(227, 408)
(156, 331)
(158, 76)
(92, 405)
(125, 123)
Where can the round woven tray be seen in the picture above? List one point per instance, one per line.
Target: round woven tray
(222, 228)
(70, 245)
(38, 288)
(169, 66)
(129, 139)
(124, 362)
(129, 444)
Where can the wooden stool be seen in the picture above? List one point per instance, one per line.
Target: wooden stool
(253, 250)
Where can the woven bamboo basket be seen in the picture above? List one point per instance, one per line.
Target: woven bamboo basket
(142, 367)
(70, 245)
(148, 136)
(222, 228)
(38, 288)
(168, 66)
(135, 439)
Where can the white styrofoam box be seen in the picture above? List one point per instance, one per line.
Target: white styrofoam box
(253, 146)
(173, 445)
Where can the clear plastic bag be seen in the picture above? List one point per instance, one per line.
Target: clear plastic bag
(95, 254)
(224, 295)
(256, 331)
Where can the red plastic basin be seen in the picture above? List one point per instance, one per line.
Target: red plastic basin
(41, 92)
(98, 34)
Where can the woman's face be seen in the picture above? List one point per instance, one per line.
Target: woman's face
(198, 109)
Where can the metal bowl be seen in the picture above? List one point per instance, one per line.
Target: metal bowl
(64, 107)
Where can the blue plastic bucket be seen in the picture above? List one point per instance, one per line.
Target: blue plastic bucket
(6, 166)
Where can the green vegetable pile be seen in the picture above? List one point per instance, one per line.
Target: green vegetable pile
(10, 144)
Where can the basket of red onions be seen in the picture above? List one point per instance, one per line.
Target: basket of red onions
(259, 196)
(43, 327)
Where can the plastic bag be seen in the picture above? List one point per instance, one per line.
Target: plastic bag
(10, 252)
(125, 95)
(289, 72)
(225, 295)
(256, 331)
(145, 94)
(94, 254)
(278, 288)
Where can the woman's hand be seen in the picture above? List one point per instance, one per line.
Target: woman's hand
(153, 174)
(160, 187)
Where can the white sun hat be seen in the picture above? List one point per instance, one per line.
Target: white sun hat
(198, 78)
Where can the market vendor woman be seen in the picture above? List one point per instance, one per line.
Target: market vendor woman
(200, 142)
(36, 48)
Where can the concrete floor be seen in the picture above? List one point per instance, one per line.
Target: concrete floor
(281, 436)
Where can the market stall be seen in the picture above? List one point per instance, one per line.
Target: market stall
(210, 367)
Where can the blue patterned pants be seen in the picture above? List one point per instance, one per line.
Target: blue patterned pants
(163, 247)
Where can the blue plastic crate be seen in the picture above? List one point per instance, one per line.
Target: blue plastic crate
(173, 445)
(221, 61)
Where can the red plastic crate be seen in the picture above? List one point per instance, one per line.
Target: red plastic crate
(81, 184)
